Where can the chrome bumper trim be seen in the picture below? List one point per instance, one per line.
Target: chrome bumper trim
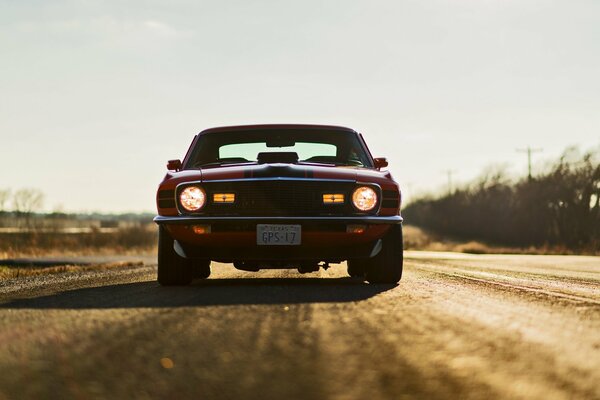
(199, 219)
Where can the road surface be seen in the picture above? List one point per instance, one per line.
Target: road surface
(457, 326)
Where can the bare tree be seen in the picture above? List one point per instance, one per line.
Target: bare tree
(4, 196)
(26, 202)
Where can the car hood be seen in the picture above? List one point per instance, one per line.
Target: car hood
(289, 171)
(266, 171)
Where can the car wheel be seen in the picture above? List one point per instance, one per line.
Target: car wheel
(200, 269)
(386, 267)
(357, 268)
(172, 269)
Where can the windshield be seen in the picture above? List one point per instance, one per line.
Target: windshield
(313, 147)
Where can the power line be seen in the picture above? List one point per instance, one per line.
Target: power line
(529, 150)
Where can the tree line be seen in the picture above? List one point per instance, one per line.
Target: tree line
(559, 207)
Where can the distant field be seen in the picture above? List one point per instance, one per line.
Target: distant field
(141, 238)
(135, 239)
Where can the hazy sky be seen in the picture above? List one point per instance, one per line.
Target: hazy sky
(97, 95)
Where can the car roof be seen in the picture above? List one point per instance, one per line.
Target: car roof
(237, 128)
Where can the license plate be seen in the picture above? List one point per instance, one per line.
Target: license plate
(278, 235)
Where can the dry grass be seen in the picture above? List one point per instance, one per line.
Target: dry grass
(141, 240)
(418, 239)
(20, 272)
(135, 240)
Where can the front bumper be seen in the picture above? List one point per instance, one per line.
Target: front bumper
(234, 238)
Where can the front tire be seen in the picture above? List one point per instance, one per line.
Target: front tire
(357, 268)
(200, 269)
(386, 267)
(173, 270)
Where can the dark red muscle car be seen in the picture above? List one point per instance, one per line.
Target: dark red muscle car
(279, 196)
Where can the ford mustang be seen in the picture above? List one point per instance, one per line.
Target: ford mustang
(279, 196)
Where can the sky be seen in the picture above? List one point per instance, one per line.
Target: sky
(96, 96)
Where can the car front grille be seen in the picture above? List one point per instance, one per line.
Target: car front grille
(278, 198)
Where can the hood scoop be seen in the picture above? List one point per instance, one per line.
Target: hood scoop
(279, 171)
(284, 157)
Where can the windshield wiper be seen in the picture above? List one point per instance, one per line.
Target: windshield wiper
(210, 164)
(221, 163)
(334, 163)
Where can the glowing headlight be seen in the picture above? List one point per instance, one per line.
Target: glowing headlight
(192, 198)
(364, 198)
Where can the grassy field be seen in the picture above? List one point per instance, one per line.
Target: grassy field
(416, 238)
(10, 272)
(140, 239)
(135, 239)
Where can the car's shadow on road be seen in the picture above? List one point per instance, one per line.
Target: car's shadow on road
(212, 292)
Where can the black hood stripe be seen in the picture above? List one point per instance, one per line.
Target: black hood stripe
(271, 171)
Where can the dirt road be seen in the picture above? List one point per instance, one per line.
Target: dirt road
(457, 326)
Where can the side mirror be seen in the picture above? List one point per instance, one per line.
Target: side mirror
(174, 165)
(380, 162)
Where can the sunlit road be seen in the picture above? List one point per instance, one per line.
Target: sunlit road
(457, 326)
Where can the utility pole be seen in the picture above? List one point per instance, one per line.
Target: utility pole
(529, 150)
(449, 173)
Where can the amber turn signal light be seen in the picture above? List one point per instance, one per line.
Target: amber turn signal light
(201, 229)
(333, 198)
(356, 228)
(224, 198)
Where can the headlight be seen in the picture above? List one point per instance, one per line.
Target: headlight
(192, 198)
(364, 198)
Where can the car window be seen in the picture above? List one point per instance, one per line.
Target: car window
(249, 151)
(326, 147)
